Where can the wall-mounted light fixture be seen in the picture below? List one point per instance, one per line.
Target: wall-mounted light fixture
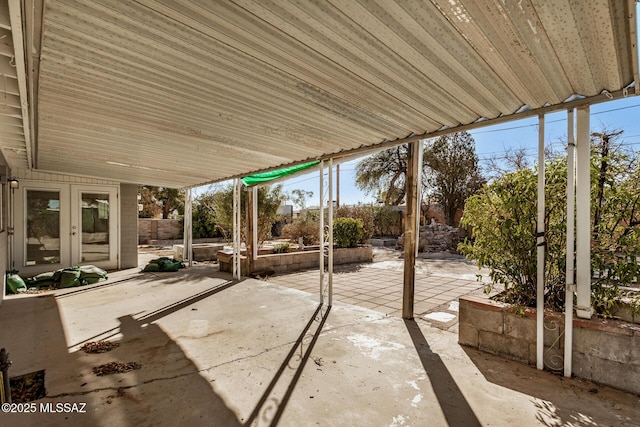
(14, 184)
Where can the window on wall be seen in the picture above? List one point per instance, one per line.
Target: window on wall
(43, 227)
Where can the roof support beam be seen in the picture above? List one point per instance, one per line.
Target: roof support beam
(570, 261)
(367, 149)
(411, 228)
(540, 243)
(18, 47)
(583, 215)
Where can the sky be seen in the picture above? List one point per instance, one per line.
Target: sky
(623, 114)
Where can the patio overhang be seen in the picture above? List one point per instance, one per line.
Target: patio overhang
(184, 93)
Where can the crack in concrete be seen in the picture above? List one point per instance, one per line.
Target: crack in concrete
(239, 359)
(123, 387)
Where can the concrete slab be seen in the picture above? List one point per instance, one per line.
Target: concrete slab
(218, 352)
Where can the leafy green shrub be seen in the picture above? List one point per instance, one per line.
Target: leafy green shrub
(281, 248)
(386, 221)
(306, 227)
(503, 215)
(347, 232)
(361, 212)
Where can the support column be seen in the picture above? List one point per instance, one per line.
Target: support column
(419, 189)
(330, 233)
(321, 229)
(254, 207)
(570, 270)
(236, 229)
(187, 235)
(250, 228)
(540, 249)
(410, 229)
(583, 214)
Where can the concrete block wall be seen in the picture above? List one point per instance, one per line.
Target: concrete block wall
(158, 229)
(128, 226)
(295, 261)
(604, 351)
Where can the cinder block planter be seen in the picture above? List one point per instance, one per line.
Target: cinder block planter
(604, 351)
(293, 261)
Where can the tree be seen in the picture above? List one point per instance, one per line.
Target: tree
(503, 221)
(300, 197)
(452, 171)
(383, 174)
(203, 221)
(160, 199)
(269, 200)
(150, 207)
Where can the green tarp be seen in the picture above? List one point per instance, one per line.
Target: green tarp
(261, 178)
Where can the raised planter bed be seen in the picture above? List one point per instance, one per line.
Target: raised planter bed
(604, 351)
(293, 261)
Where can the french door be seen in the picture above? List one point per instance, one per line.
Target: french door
(63, 225)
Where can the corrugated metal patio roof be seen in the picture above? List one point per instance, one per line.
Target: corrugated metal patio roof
(178, 93)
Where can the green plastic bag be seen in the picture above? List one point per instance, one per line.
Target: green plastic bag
(90, 274)
(69, 278)
(14, 283)
(163, 264)
(42, 280)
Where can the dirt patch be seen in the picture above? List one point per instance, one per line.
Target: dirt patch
(28, 387)
(115, 368)
(99, 346)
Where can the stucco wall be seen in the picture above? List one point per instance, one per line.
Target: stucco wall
(128, 226)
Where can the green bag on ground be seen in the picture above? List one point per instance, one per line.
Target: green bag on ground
(151, 267)
(14, 283)
(163, 264)
(69, 278)
(90, 274)
(42, 280)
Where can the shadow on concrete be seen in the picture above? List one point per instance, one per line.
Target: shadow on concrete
(454, 405)
(168, 389)
(559, 401)
(164, 311)
(273, 402)
(194, 274)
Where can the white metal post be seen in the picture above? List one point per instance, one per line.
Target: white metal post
(570, 270)
(254, 228)
(330, 232)
(236, 229)
(540, 242)
(321, 229)
(187, 251)
(239, 228)
(233, 231)
(418, 175)
(583, 214)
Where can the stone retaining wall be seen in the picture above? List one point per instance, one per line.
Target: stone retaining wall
(294, 261)
(436, 237)
(604, 351)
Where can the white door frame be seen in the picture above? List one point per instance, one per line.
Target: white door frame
(70, 216)
(76, 225)
(20, 244)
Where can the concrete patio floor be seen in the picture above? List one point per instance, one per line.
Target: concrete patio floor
(224, 353)
(440, 280)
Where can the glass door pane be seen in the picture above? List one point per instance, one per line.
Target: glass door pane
(94, 227)
(43, 227)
